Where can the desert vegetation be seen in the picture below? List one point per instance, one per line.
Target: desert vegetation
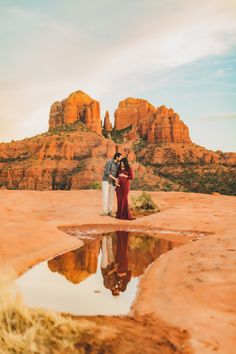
(202, 178)
(143, 204)
(26, 330)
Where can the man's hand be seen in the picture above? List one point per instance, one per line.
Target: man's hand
(112, 177)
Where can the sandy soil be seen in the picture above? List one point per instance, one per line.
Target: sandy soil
(136, 336)
(195, 284)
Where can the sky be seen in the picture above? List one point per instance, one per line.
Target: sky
(89, 297)
(178, 53)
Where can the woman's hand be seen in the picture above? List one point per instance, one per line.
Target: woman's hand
(123, 175)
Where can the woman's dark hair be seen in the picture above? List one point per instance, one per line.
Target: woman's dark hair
(126, 163)
(117, 154)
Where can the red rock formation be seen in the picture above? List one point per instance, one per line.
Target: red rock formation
(166, 127)
(77, 107)
(107, 123)
(131, 111)
(158, 126)
(132, 135)
(55, 161)
(74, 157)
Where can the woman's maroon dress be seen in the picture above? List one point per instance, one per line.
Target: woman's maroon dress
(122, 195)
(121, 259)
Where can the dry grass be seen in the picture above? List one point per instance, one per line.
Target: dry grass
(32, 331)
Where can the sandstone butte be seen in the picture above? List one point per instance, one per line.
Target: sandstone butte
(77, 107)
(72, 154)
(157, 125)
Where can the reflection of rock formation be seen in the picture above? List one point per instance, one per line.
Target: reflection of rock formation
(77, 265)
(141, 250)
(144, 250)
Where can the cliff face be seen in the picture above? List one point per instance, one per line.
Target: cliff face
(157, 125)
(131, 111)
(77, 107)
(64, 160)
(72, 154)
(165, 126)
(107, 123)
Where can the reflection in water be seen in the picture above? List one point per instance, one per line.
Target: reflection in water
(115, 269)
(123, 273)
(123, 254)
(82, 281)
(108, 267)
(77, 265)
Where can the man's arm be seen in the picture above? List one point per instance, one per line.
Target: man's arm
(107, 170)
(112, 177)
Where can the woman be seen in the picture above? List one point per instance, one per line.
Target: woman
(124, 174)
(121, 258)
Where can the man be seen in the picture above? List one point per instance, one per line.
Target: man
(109, 182)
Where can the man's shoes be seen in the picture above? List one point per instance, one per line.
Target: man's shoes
(104, 214)
(111, 214)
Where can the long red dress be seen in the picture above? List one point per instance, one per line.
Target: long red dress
(121, 259)
(122, 195)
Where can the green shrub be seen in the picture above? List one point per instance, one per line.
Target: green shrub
(139, 144)
(144, 202)
(95, 185)
(167, 187)
(67, 128)
(117, 135)
(201, 179)
(19, 158)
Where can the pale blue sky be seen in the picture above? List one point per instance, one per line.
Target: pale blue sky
(178, 53)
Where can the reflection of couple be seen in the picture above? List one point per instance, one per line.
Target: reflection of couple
(116, 177)
(115, 271)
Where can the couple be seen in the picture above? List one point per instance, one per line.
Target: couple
(115, 272)
(116, 177)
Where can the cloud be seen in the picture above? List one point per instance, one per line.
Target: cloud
(219, 73)
(172, 44)
(111, 51)
(220, 116)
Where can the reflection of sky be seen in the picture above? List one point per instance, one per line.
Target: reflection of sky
(178, 53)
(42, 288)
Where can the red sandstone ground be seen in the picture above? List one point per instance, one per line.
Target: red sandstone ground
(186, 300)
